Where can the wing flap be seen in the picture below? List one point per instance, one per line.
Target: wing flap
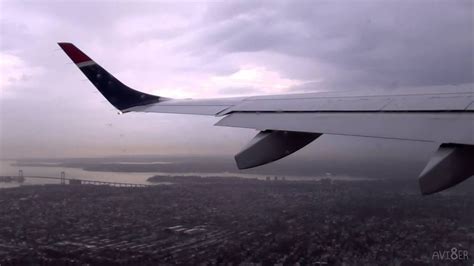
(445, 127)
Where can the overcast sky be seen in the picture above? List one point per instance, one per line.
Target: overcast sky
(213, 49)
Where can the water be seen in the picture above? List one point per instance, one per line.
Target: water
(6, 169)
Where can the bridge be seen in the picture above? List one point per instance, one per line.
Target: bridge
(71, 181)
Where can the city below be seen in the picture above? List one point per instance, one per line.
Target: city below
(235, 221)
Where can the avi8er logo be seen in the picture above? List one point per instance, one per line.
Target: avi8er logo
(453, 254)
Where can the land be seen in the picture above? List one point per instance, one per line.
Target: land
(196, 179)
(238, 221)
(304, 166)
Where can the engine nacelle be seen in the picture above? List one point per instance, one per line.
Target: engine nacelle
(450, 165)
(268, 146)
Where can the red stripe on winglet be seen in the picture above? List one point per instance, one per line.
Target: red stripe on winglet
(76, 55)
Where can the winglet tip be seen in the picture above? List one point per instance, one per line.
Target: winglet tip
(64, 45)
(76, 55)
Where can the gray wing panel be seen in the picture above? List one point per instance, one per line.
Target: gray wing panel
(433, 127)
(314, 104)
(444, 90)
(438, 102)
(394, 101)
(470, 107)
(192, 106)
(179, 109)
(191, 109)
(430, 103)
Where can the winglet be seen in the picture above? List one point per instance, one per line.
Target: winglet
(118, 94)
(76, 55)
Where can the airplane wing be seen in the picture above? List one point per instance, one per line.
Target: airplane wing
(443, 116)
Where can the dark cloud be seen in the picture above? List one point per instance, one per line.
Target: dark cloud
(365, 44)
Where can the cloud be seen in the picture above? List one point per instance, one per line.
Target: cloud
(253, 76)
(360, 43)
(239, 91)
(15, 72)
(12, 68)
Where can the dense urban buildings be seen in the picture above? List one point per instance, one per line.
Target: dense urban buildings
(238, 221)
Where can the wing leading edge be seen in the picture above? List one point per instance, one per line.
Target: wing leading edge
(287, 123)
